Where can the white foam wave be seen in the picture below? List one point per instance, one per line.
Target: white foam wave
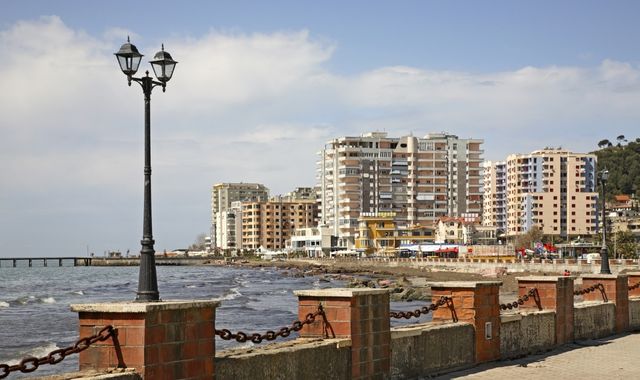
(233, 293)
(48, 300)
(79, 292)
(4, 304)
(36, 351)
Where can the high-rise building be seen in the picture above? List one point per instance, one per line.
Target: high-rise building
(494, 203)
(419, 179)
(228, 227)
(222, 196)
(270, 224)
(552, 189)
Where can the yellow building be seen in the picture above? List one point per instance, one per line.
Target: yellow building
(380, 233)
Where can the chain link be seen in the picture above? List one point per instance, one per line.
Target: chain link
(533, 293)
(590, 289)
(424, 310)
(31, 363)
(284, 332)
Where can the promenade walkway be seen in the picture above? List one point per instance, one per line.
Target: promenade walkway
(616, 357)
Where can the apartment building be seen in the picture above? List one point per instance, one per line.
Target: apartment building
(224, 219)
(270, 224)
(494, 206)
(228, 226)
(552, 189)
(304, 193)
(419, 179)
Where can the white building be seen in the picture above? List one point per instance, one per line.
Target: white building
(420, 179)
(315, 241)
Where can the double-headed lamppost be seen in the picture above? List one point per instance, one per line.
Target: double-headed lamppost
(604, 257)
(163, 65)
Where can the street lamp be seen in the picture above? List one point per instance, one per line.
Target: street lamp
(604, 257)
(163, 66)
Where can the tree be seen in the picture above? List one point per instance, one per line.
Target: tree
(604, 143)
(528, 239)
(623, 164)
(623, 245)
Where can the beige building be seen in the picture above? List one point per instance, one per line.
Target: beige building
(224, 220)
(456, 231)
(552, 189)
(419, 179)
(270, 224)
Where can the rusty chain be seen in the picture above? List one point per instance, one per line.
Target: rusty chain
(31, 363)
(636, 286)
(590, 289)
(424, 310)
(533, 293)
(270, 335)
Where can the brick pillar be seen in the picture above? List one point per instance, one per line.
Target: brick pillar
(359, 314)
(634, 278)
(616, 287)
(172, 339)
(478, 304)
(556, 293)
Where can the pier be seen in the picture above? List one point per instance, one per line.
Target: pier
(13, 261)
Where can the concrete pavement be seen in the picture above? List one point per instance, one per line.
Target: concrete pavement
(616, 357)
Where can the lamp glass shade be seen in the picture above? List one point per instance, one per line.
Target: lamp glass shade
(163, 65)
(604, 175)
(128, 58)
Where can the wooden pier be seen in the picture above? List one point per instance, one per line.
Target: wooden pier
(13, 261)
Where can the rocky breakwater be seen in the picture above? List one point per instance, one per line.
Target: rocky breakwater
(400, 288)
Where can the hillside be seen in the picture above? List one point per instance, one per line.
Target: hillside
(622, 159)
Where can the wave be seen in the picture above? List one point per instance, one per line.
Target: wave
(78, 292)
(26, 300)
(38, 352)
(4, 304)
(231, 294)
(23, 300)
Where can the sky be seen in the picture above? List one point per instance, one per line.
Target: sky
(261, 86)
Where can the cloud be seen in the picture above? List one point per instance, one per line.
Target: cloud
(244, 107)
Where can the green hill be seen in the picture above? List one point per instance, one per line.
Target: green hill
(622, 159)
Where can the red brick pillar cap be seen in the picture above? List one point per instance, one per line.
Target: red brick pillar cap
(339, 292)
(464, 284)
(141, 307)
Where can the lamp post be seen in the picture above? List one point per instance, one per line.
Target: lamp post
(163, 66)
(604, 257)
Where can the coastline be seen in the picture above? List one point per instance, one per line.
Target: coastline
(406, 283)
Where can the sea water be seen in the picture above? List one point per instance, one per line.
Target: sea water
(35, 317)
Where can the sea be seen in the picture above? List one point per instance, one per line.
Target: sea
(35, 315)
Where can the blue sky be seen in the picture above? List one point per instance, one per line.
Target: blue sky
(261, 85)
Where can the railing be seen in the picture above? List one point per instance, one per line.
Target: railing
(270, 335)
(592, 288)
(533, 293)
(426, 309)
(31, 363)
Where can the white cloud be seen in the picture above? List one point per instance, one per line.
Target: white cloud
(247, 107)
